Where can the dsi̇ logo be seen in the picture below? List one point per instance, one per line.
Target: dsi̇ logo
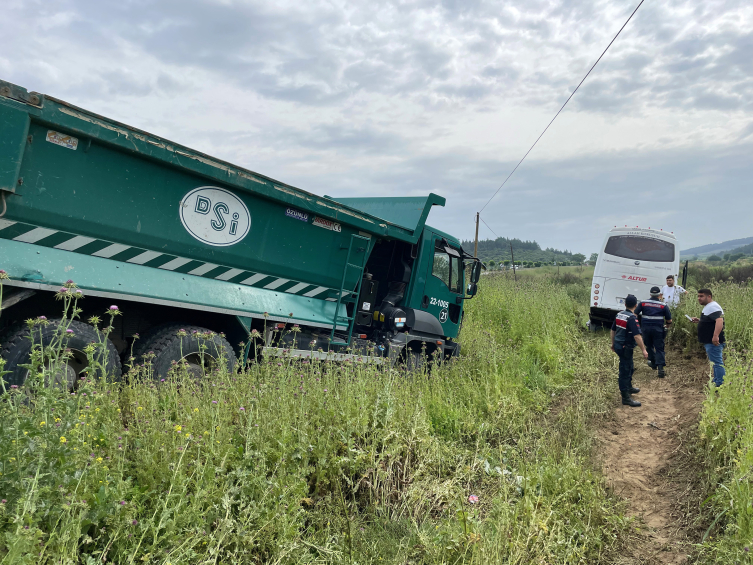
(215, 216)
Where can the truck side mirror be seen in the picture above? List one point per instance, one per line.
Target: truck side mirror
(475, 272)
(472, 289)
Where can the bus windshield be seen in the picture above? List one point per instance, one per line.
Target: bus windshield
(640, 248)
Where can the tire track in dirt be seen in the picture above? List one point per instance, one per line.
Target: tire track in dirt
(641, 450)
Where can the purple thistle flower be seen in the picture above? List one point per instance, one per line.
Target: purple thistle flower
(42, 317)
(63, 289)
(69, 281)
(113, 307)
(242, 409)
(69, 331)
(122, 502)
(214, 402)
(134, 522)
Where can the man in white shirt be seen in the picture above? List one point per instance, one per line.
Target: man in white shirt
(671, 292)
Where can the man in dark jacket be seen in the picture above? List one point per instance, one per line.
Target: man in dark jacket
(625, 334)
(654, 313)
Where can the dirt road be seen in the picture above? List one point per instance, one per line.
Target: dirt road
(644, 454)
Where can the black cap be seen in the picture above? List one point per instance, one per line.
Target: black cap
(655, 290)
(631, 301)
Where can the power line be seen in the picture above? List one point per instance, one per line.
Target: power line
(563, 106)
(487, 226)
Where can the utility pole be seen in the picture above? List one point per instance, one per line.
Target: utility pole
(515, 276)
(475, 243)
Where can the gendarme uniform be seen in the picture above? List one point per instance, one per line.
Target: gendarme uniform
(654, 313)
(625, 327)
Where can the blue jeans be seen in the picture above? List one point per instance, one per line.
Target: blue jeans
(715, 356)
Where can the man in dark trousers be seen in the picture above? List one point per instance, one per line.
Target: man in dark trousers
(625, 334)
(654, 313)
(711, 332)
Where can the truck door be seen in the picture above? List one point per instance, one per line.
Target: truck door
(444, 285)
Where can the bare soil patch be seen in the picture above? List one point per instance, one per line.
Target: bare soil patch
(647, 459)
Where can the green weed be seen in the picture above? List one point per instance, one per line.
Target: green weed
(482, 460)
(726, 426)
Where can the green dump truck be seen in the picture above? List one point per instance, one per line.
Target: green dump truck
(179, 240)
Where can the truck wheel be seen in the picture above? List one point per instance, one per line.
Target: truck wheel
(167, 346)
(414, 360)
(15, 348)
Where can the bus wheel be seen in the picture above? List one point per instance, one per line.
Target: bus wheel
(200, 349)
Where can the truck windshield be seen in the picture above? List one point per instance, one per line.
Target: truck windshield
(447, 269)
(640, 248)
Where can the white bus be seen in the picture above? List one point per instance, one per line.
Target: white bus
(631, 261)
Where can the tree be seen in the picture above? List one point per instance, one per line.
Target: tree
(579, 258)
(593, 259)
(713, 258)
(736, 256)
(507, 263)
(726, 256)
(491, 264)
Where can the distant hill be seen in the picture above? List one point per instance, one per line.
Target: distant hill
(747, 249)
(499, 250)
(717, 247)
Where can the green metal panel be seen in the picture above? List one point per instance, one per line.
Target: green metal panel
(39, 267)
(14, 127)
(408, 212)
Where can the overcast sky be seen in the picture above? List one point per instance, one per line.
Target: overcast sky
(372, 98)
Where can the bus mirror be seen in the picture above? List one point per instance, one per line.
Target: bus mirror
(472, 289)
(475, 272)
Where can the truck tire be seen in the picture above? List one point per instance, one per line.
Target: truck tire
(414, 360)
(164, 342)
(15, 348)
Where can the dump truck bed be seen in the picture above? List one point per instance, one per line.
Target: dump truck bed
(104, 199)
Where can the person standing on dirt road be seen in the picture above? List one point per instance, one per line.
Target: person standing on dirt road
(654, 313)
(671, 292)
(625, 334)
(711, 332)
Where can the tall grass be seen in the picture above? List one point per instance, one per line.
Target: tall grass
(701, 275)
(289, 461)
(726, 426)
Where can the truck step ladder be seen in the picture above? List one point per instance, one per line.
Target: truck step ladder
(355, 261)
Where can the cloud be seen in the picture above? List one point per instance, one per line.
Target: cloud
(402, 98)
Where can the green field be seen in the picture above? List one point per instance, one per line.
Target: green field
(296, 462)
